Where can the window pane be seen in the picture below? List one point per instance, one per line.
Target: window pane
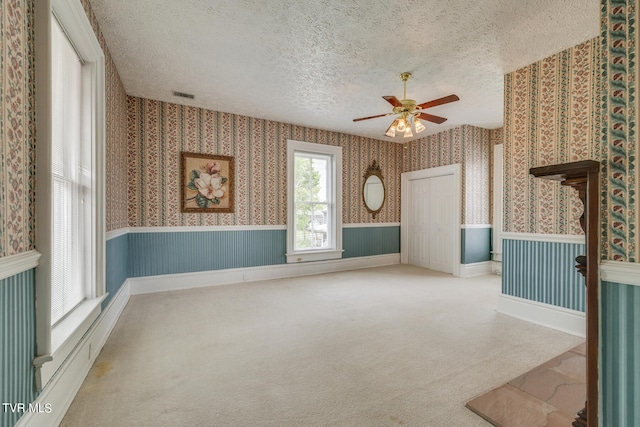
(303, 179)
(319, 226)
(67, 284)
(320, 169)
(303, 225)
(66, 292)
(67, 105)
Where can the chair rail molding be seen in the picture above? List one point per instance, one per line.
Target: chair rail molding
(538, 237)
(371, 224)
(626, 273)
(16, 264)
(112, 234)
(199, 228)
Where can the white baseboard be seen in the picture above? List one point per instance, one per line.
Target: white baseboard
(563, 319)
(475, 269)
(496, 267)
(61, 390)
(174, 282)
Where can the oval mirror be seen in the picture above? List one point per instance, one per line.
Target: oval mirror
(373, 191)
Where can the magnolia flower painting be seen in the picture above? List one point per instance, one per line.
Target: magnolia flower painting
(208, 183)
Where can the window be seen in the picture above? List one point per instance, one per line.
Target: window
(71, 178)
(70, 114)
(314, 224)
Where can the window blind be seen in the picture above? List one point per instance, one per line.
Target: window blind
(67, 158)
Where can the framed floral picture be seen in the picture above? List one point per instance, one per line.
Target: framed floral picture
(207, 183)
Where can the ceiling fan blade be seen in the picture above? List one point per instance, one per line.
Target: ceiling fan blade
(431, 118)
(371, 117)
(393, 101)
(439, 101)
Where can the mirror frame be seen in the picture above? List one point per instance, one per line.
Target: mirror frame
(374, 170)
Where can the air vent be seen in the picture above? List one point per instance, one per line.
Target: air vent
(183, 95)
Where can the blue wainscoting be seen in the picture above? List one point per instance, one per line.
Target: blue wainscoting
(476, 245)
(117, 265)
(543, 272)
(368, 241)
(620, 357)
(17, 343)
(152, 254)
(183, 252)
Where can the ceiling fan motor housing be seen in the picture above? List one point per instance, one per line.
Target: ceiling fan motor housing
(408, 106)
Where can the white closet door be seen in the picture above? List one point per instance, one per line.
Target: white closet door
(441, 223)
(419, 200)
(432, 223)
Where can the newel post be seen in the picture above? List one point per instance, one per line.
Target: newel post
(583, 176)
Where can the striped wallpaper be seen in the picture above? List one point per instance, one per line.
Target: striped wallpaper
(468, 145)
(551, 112)
(475, 245)
(116, 135)
(17, 127)
(159, 131)
(191, 251)
(620, 360)
(184, 252)
(117, 262)
(543, 272)
(17, 343)
(369, 241)
(497, 136)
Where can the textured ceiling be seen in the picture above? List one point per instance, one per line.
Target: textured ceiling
(322, 63)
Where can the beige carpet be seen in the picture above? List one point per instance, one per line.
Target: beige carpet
(386, 346)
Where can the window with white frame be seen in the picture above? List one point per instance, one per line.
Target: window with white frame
(314, 224)
(71, 179)
(70, 114)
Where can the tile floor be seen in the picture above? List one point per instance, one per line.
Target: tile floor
(548, 395)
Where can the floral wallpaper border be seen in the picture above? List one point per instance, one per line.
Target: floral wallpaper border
(620, 183)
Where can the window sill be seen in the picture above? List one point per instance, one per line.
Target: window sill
(306, 256)
(68, 333)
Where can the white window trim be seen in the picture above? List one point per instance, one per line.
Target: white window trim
(55, 344)
(336, 213)
(498, 200)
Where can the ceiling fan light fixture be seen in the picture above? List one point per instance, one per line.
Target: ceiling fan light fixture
(391, 132)
(407, 112)
(402, 125)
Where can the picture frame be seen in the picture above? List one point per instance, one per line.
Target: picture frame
(207, 183)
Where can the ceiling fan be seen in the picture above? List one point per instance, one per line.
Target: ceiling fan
(408, 112)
